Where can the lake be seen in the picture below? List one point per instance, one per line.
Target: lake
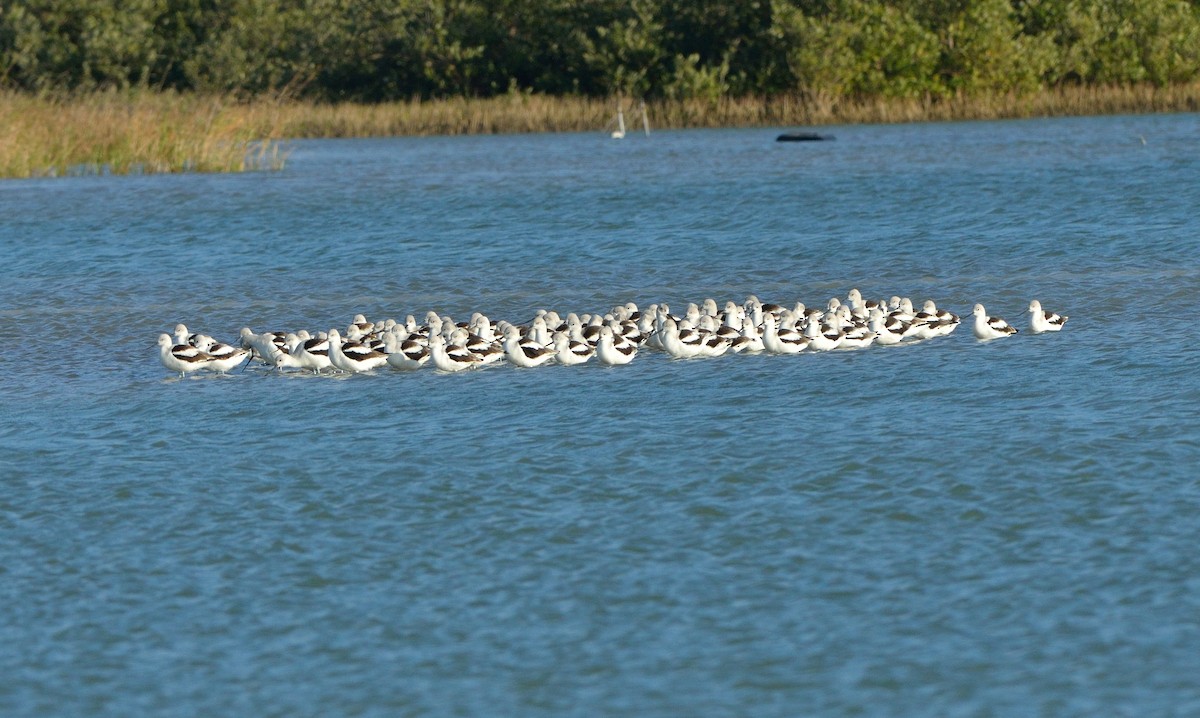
(951, 527)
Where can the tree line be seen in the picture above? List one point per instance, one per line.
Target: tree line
(380, 50)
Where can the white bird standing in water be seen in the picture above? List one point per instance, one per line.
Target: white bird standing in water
(987, 328)
(1043, 321)
(182, 358)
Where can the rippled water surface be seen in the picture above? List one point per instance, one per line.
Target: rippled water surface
(948, 528)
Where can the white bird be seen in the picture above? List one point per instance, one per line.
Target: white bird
(524, 354)
(887, 333)
(857, 337)
(821, 340)
(405, 354)
(935, 322)
(987, 328)
(451, 357)
(183, 336)
(750, 340)
(1043, 321)
(619, 133)
(788, 342)
(182, 358)
(224, 356)
(313, 354)
(488, 351)
(353, 357)
(264, 345)
(713, 344)
(286, 360)
(539, 331)
(569, 352)
(671, 340)
(855, 301)
(610, 352)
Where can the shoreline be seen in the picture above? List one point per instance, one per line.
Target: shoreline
(165, 132)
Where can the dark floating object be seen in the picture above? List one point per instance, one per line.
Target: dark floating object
(802, 137)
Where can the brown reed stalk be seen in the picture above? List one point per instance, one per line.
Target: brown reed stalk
(150, 132)
(122, 133)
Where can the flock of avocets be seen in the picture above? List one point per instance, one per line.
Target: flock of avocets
(704, 330)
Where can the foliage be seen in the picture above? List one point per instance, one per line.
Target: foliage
(386, 50)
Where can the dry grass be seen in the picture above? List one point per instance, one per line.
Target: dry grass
(113, 133)
(167, 132)
(537, 113)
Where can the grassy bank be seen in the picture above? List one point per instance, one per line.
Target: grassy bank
(166, 132)
(112, 133)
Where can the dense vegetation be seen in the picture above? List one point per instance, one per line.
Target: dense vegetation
(383, 50)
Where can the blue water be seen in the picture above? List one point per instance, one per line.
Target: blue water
(949, 528)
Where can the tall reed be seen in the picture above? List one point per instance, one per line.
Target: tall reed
(118, 133)
(519, 112)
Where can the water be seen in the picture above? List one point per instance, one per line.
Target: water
(950, 528)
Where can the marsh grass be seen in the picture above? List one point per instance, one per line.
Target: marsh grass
(124, 133)
(147, 132)
(519, 112)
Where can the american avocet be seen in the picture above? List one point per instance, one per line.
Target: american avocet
(670, 340)
(728, 333)
(287, 358)
(351, 356)
(313, 354)
(539, 331)
(612, 350)
(935, 322)
(855, 300)
(406, 353)
(647, 321)
(264, 344)
(226, 357)
(450, 357)
(789, 341)
(570, 352)
(525, 354)
(482, 327)
(987, 328)
(629, 330)
(359, 327)
(887, 332)
(856, 337)
(487, 351)
(1043, 321)
(820, 338)
(182, 358)
(749, 342)
(733, 316)
(183, 336)
(713, 344)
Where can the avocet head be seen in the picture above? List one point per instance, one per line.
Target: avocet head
(979, 311)
(1035, 306)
